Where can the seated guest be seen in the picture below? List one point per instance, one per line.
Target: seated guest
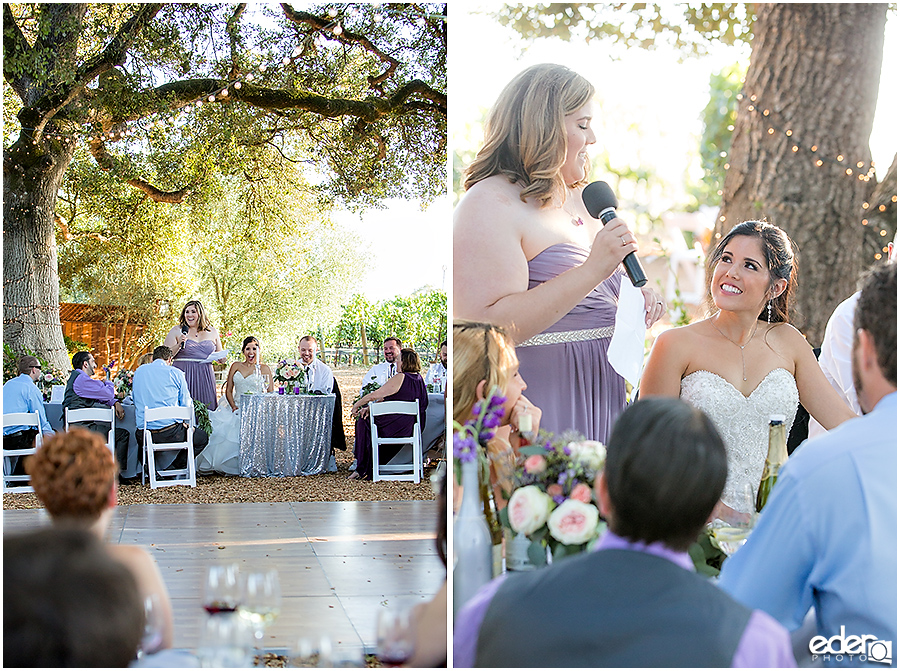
(21, 394)
(485, 359)
(637, 598)
(827, 538)
(437, 372)
(83, 391)
(382, 372)
(74, 477)
(159, 384)
(407, 385)
(319, 378)
(67, 602)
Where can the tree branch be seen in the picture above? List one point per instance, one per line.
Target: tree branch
(347, 37)
(232, 27)
(15, 50)
(107, 163)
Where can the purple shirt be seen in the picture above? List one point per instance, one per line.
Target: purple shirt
(95, 390)
(765, 643)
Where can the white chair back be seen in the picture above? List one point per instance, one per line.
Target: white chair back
(170, 476)
(30, 419)
(107, 415)
(396, 471)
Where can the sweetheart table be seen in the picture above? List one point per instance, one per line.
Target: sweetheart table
(285, 435)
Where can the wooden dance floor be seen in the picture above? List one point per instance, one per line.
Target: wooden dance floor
(338, 562)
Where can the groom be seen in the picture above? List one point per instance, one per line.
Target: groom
(634, 601)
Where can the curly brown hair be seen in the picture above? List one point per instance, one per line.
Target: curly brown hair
(72, 473)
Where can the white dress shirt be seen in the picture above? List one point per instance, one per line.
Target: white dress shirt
(836, 357)
(319, 377)
(437, 374)
(381, 373)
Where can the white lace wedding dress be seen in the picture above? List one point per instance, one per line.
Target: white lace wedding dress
(222, 453)
(743, 422)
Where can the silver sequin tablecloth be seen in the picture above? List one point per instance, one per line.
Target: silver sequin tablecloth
(285, 435)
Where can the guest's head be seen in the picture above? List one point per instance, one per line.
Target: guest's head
(308, 348)
(163, 353)
(874, 359)
(665, 470)
(760, 258)
(84, 361)
(193, 315)
(526, 136)
(392, 347)
(250, 350)
(484, 357)
(146, 357)
(443, 353)
(74, 476)
(409, 361)
(29, 365)
(67, 602)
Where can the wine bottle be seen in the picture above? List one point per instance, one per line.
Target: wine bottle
(775, 459)
(471, 540)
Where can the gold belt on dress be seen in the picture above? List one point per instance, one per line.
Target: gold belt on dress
(559, 337)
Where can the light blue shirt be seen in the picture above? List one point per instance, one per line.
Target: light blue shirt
(22, 395)
(157, 385)
(828, 536)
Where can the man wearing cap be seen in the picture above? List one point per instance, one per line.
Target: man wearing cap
(22, 395)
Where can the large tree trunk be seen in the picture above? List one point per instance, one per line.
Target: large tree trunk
(31, 181)
(813, 80)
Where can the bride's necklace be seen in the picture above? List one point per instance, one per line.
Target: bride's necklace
(755, 326)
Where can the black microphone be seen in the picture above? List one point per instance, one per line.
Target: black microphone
(184, 330)
(601, 203)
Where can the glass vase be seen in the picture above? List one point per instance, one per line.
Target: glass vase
(472, 546)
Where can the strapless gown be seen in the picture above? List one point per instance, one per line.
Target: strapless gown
(200, 378)
(743, 422)
(222, 453)
(572, 383)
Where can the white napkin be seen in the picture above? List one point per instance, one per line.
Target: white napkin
(626, 349)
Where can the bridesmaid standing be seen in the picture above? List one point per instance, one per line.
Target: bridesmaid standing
(193, 340)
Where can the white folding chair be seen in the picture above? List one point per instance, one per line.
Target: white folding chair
(94, 415)
(19, 419)
(396, 471)
(174, 414)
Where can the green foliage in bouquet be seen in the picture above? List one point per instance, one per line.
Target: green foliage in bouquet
(201, 412)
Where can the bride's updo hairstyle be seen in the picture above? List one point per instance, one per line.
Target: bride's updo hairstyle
(525, 135)
(247, 341)
(779, 254)
(480, 352)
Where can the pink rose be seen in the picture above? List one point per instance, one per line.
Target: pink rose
(581, 493)
(555, 490)
(528, 509)
(535, 464)
(573, 522)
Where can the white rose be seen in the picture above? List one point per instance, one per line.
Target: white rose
(591, 453)
(528, 509)
(573, 522)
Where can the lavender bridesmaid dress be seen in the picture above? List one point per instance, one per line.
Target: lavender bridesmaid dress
(200, 379)
(572, 382)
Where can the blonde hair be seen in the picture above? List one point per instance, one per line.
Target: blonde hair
(525, 135)
(480, 352)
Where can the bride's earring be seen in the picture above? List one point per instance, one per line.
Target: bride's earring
(769, 315)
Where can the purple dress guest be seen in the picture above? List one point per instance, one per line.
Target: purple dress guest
(200, 378)
(570, 378)
(412, 388)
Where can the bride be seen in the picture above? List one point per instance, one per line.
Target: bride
(222, 454)
(745, 362)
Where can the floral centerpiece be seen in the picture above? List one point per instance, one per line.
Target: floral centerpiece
(50, 377)
(552, 498)
(290, 372)
(122, 382)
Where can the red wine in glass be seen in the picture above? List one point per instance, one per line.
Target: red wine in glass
(219, 607)
(394, 657)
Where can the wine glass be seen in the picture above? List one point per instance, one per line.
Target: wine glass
(152, 638)
(266, 380)
(731, 533)
(223, 589)
(261, 601)
(225, 641)
(395, 637)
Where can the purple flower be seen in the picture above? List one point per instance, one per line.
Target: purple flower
(562, 478)
(559, 499)
(464, 447)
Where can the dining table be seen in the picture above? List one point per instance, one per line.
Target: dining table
(285, 434)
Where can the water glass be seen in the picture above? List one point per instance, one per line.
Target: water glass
(152, 638)
(261, 601)
(225, 641)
